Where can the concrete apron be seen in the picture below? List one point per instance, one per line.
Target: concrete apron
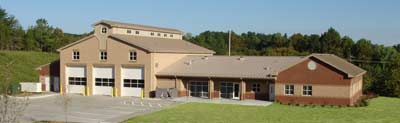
(223, 101)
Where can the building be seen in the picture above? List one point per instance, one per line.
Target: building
(122, 59)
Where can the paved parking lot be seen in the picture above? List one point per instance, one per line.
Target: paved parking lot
(91, 109)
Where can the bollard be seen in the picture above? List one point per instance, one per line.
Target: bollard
(87, 91)
(112, 92)
(116, 92)
(83, 92)
(60, 89)
(141, 94)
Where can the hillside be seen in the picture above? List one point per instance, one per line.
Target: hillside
(25, 63)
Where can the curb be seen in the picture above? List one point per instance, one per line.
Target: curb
(37, 97)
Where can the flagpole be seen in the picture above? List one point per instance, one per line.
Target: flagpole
(229, 51)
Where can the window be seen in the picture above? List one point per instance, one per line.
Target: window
(134, 83)
(256, 87)
(165, 35)
(198, 89)
(103, 55)
(307, 90)
(158, 34)
(77, 81)
(227, 90)
(137, 32)
(105, 82)
(289, 89)
(129, 31)
(103, 30)
(132, 56)
(75, 55)
(152, 33)
(171, 35)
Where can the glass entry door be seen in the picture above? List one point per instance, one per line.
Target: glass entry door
(230, 90)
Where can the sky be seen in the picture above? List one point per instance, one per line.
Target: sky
(376, 20)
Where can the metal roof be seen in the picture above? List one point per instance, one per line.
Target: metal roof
(138, 26)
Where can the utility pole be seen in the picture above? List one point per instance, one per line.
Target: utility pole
(229, 50)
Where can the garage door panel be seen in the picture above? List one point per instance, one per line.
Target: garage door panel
(132, 79)
(100, 90)
(132, 73)
(136, 92)
(76, 71)
(76, 88)
(103, 72)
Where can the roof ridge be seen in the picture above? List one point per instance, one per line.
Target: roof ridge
(132, 25)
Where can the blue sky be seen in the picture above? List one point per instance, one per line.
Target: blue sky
(377, 20)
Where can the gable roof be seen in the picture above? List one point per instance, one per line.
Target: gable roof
(76, 42)
(350, 69)
(162, 45)
(336, 62)
(138, 26)
(254, 67)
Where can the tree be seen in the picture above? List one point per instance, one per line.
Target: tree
(330, 42)
(11, 108)
(11, 33)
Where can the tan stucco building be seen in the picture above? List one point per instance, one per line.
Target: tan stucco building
(123, 59)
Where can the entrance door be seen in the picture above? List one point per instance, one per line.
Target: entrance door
(236, 91)
(271, 91)
(230, 90)
(56, 84)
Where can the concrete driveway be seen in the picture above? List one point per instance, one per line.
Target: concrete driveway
(91, 109)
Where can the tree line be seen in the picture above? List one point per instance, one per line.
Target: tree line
(39, 37)
(381, 62)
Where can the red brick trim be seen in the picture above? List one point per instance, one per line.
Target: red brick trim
(256, 96)
(312, 100)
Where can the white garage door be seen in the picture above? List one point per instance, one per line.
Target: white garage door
(133, 79)
(76, 79)
(104, 80)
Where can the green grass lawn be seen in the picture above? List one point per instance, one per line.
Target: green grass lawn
(25, 63)
(380, 110)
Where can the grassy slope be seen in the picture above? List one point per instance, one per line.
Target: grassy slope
(25, 63)
(382, 110)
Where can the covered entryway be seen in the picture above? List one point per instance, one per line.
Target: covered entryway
(76, 79)
(230, 90)
(104, 80)
(198, 89)
(133, 81)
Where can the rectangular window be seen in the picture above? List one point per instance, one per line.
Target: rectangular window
(198, 89)
(256, 87)
(165, 35)
(132, 56)
(104, 82)
(158, 34)
(103, 55)
(137, 32)
(152, 33)
(133, 83)
(289, 89)
(129, 31)
(77, 81)
(307, 90)
(75, 55)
